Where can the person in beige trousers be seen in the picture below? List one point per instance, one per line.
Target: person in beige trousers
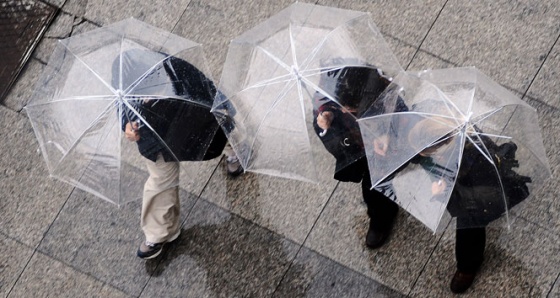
(167, 132)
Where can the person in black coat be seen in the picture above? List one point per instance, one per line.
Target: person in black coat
(478, 196)
(167, 130)
(355, 88)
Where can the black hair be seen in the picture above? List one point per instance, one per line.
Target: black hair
(358, 84)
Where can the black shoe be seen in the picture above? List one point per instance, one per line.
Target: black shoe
(149, 250)
(461, 281)
(376, 236)
(233, 166)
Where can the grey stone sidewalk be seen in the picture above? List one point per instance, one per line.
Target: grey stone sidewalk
(271, 237)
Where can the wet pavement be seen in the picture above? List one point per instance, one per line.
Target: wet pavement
(259, 236)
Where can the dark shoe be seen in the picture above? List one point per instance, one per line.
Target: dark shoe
(376, 237)
(149, 250)
(461, 281)
(233, 166)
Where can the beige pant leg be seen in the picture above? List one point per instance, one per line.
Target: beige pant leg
(228, 150)
(160, 203)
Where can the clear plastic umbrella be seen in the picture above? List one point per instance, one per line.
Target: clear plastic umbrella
(275, 75)
(454, 143)
(97, 82)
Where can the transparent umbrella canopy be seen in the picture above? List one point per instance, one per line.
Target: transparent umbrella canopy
(98, 81)
(273, 74)
(463, 147)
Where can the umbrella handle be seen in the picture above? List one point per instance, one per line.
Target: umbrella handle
(139, 123)
(323, 133)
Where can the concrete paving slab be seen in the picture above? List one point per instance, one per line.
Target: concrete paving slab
(83, 26)
(506, 40)
(12, 262)
(76, 8)
(402, 50)
(543, 208)
(30, 198)
(424, 60)
(287, 207)
(57, 3)
(215, 23)
(340, 231)
(60, 28)
(162, 14)
(221, 255)
(22, 90)
(555, 291)
(313, 275)
(545, 87)
(520, 263)
(195, 175)
(408, 21)
(100, 240)
(46, 277)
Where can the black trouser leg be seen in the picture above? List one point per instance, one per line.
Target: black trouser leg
(469, 248)
(381, 210)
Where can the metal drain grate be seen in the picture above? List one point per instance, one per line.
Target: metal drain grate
(22, 24)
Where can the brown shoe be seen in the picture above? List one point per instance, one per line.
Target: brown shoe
(461, 281)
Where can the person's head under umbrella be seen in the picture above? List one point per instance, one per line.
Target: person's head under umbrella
(351, 90)
(438, 134)
(354, 87)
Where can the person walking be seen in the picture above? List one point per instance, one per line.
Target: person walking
(170, 131)
(355, 88)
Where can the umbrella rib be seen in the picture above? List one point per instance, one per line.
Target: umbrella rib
(486, 116)
(75, 98)
(275, 59)
(278, 79)
(274, 104)
(449, 102)
(300, 93)
(275, 80)
(313, 53)
(423, 114)
(179, 98)
(324, 93)
(95, 121)
(495, 136)
(143, 76)
(90, 69)
(483, 150)
(293, 48)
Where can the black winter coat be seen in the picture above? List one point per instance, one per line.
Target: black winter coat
(357, 87)
(190, 132)
(477, 197)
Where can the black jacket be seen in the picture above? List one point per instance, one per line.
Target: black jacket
(478, 197)
(181, 129)
(358, 88)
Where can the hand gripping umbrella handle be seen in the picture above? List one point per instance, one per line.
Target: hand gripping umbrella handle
(324, 132)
